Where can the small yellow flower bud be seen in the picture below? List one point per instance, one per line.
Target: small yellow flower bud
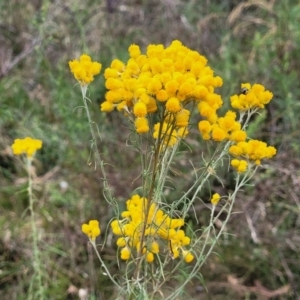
(188, 256)
(84, 70)
(140, 109)
(141, 125)
(215, 199)
(125, 253)
(92, 230)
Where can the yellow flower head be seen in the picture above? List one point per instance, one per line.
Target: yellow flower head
(155, 247)
(149, 257)
(92, 229)
(163, 79)
(173, 105)
(27, 146)
(117, 227)
(238, 136)
(125, 253)
(188, 256)
(134, 51)
(84, 69)
(182, 118)
(218, 134)
(251, 97)
(140, 109)
(151, 106)
(107, 106)
(205, 129)
(252, 150)
(141, 125)
(215, 199)
(121, 242)
(240, 165)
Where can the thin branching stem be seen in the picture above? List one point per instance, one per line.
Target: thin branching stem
(104, 266)
(36, 252)
(107, 191)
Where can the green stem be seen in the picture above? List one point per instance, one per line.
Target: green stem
(200, 262)
(36, 252)
(104, 266)
(106, 189)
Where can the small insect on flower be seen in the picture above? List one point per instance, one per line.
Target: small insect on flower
(244, 91)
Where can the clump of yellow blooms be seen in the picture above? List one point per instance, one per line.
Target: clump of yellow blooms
(224, 128)
(250, 152)
(84, 69)
(92, 229)
(240, 165)
(162, 82)
(158, 228)
(227, 128)
(165, 84)
(253, 97)
(253, 151)
(26, 146)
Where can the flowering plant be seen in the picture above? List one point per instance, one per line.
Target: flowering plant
(159, 92)
(26, 148)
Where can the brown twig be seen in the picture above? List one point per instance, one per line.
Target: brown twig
(6, 67)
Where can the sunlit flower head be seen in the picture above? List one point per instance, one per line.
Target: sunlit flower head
(215, 199)
(84, 69)
(163, 79)
(26, 146)
(251, 97)
(253, 151)
(239, 165)
(92, 229)
(188, 256)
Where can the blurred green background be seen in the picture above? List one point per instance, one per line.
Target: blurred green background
(244, 41)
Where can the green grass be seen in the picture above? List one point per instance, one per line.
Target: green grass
(39, 98)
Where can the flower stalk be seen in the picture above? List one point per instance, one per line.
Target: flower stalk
(36, 252)
(27, 148)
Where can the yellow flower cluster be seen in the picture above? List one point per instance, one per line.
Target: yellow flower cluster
(160, 228)
(240, 165)
(227, 128)
(163, 82)
(27, 146)
(92, 229)
(224, 128)
(84, 70)
(252, 97)
(253, 151)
